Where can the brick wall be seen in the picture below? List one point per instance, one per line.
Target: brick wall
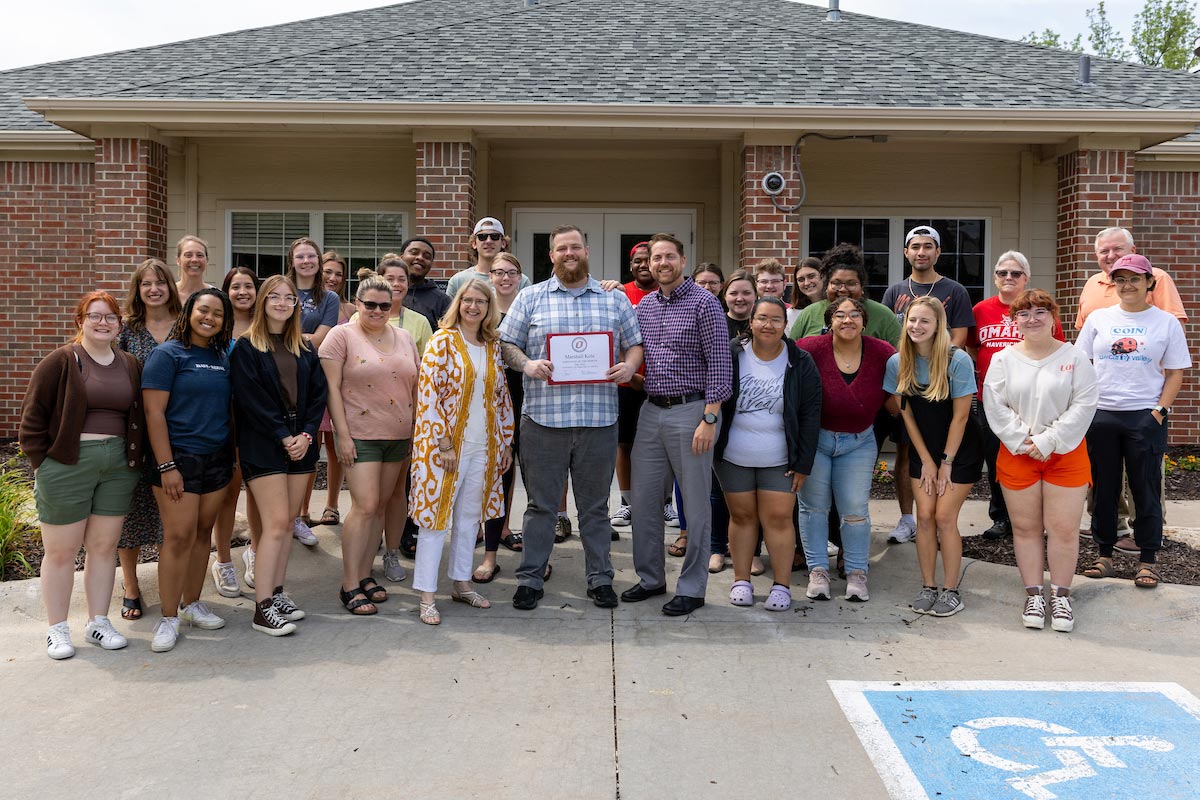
(46, 250)
(1095, 191)
(1166, 226)
(445, 194)
(131, 208)
(763, 230)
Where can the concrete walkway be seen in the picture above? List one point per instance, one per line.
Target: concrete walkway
(568, 701)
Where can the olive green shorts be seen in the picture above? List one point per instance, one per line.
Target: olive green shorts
(389, 451)
(100, 483)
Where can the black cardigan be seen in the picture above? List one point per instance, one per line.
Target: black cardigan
(258, 405)
(801, 407)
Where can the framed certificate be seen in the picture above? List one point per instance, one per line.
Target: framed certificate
(579, 357)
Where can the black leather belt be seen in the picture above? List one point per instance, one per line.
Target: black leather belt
(678, 400)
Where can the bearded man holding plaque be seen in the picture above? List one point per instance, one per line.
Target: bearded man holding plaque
(574, 342)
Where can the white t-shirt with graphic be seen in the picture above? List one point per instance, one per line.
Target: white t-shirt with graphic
(756, 436)
(1130, 351)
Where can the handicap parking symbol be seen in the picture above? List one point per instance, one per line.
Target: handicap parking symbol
(1016, 740)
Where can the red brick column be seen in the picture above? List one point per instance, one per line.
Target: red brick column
(46, 230)
(446, 202)
(763, 230)
(1166, 227)
(131, 209)
(1095, 191)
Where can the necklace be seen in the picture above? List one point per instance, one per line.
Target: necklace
(846, 362)
(915, 295)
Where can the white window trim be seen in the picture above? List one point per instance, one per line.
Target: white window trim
(896, 231)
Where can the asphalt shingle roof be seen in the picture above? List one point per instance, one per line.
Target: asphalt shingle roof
(660, 52)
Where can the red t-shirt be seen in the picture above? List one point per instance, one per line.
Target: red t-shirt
(635, 294)
(995, 330)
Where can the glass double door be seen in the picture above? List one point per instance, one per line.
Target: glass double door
(609, 235)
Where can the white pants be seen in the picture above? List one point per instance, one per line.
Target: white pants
(464, 520)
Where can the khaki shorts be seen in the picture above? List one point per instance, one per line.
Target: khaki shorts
(100, 483)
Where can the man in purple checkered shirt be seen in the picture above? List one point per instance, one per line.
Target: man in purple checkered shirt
(688, 374)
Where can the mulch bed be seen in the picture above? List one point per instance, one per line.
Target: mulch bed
(1178, 563)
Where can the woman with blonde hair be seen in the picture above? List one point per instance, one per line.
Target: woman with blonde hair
(278, 402)
(462, 443)
(82, 428)
(191, 256)
(151, 307)
(935, 383)
(371, 368)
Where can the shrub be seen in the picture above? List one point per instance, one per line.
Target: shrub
(15, 496)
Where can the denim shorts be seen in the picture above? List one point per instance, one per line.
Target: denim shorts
(100, 483)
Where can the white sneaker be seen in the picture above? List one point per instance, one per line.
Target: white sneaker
(225, 579)
(1034, 614)
(622, 519)
(58, 641)
(832, 550)
(1062, 618)
(818, 584)
(199, 615)
(165, 635)
(856, 586)
(670, 517)
(248, 560)
(905, 531)
(303, 533)
(101, 632)
(393, 570)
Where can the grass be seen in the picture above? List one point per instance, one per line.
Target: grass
(16, 493)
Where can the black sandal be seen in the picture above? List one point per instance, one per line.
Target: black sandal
(353, 605)
(131, 608)
(408, 544)
(373, 592)
(515, 541)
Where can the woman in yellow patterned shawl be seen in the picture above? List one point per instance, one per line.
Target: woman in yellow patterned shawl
(462, 443)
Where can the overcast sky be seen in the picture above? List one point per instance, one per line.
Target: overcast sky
(60, 29)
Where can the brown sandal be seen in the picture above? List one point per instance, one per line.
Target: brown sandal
(1102, 568)
(1147, 577)
(679, 547)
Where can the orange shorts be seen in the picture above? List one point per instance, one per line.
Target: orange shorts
(1061, 469)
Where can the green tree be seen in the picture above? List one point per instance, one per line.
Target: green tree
(1051, 38)
(1104, 39)
(1163, 33)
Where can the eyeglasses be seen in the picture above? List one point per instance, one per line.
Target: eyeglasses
(1009, 273)
(111, 319)
(770, 281)
(1032, 313)
(489, 237)
(772, 321)
(474, 301)
(371, 305)
(844, 284)
(288, 300)
(708, 282)
(505, 273)
(842, 316)
(1132, 280)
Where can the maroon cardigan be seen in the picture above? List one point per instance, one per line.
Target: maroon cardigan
(55, 407)
(853, 408)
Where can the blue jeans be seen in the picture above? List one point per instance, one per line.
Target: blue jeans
(842, 472)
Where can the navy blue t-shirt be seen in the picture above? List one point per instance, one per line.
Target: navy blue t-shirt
(198, 380)
(313, 316)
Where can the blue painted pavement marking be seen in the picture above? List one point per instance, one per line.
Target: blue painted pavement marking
(1007, 740)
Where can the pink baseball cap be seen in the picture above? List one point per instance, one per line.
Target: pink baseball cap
(1133, 263)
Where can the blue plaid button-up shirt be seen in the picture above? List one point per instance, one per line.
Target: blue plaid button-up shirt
(549, 307)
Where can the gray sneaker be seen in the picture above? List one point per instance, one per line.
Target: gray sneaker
(925, 600)
(393, 570)
(948, 604)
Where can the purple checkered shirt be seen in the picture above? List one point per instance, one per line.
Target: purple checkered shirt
(686, 344)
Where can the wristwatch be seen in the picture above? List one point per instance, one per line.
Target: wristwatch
(1163, 411)
(710, 418)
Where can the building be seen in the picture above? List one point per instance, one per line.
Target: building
(623, 116)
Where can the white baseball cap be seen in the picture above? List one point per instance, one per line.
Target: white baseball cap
(923, 230)
(490, 223)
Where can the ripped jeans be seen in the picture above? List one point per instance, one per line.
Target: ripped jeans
(842, 472)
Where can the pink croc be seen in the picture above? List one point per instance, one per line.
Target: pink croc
(742, 593)
(780, 599)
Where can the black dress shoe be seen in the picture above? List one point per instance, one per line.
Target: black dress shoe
(681, 605)
(616, 537)
(526, 597)
(637, 594)
(1001, 529)
(603, 596)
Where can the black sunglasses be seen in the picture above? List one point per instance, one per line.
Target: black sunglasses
(371, 305)
(494, 237)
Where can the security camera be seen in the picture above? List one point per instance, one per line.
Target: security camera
(773, 183)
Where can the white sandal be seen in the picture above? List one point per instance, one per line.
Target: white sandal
(471, 597)
(430, 614)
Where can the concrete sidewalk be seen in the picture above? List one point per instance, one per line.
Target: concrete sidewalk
(568, 701)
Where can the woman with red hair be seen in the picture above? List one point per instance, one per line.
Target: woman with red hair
(82, 426)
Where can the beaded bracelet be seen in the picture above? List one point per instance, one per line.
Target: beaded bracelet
(166, 466)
